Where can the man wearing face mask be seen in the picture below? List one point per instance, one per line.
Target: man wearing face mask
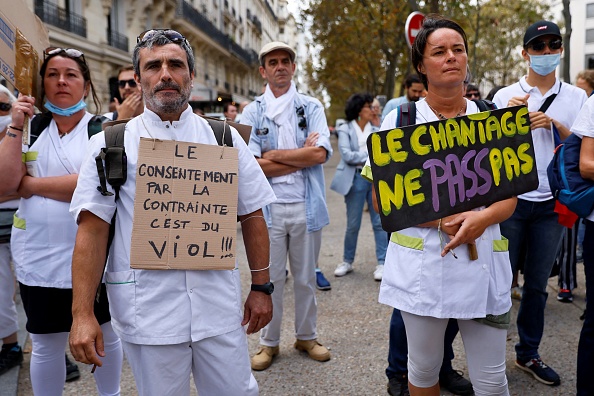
(553, 106)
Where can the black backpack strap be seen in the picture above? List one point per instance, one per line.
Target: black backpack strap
(547, 103)
(95, 125)
(407, 114)
(38, 125)
(221, 130)
(485, 105)
(114, 157)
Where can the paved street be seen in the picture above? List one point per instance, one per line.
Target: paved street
(355, 327)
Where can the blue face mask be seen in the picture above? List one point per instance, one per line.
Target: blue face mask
(544, 64)
(65, 112)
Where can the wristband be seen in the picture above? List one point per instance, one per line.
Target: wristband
(15, 128)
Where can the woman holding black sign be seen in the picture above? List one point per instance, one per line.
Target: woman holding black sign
(429, 273)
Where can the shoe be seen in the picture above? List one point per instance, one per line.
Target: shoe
(398, 386)
(378, 273)
(321, 281)
(516, 292)
(72, 372)
(565, 296)
(263, 358)
(583, 316)
(343, 269)
(540, 371)
(10, 357)
(454, 382)
(314, 349)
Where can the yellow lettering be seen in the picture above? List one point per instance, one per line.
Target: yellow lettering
(493, 126)
(394, 145)
(379, 158)
(509, 130)
(523, 121)
(496, 163)
(389, 197)
(438, 137)
(468, 133)
(453, 133)
(415, 143)
(511, 163)
(526, 159)
(411, 184)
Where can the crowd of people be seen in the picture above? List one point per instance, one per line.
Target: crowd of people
(70, 244)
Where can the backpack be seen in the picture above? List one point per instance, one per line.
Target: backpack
(565, 180)
(407, 112)
(41, 121)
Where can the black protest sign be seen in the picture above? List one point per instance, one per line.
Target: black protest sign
(428, 171)
(185, 208)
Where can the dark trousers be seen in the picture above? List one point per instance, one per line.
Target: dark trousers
(585, 357)
(398, 352)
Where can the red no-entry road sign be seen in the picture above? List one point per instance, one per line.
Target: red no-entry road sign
(412, 26)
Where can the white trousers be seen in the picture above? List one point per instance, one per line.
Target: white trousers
(484, 346)
(9, 323)
(289, 237)
(220, 366)
(48, 366)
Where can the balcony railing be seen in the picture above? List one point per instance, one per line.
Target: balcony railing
(186, 11)
(117, 40)
(61, 18)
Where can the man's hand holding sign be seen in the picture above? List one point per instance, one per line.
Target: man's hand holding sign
(440, 169)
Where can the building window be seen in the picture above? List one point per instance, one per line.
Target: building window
(589, 35)
(589, 63)
(590, 10)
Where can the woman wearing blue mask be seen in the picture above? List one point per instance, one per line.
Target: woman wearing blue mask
(43, 232)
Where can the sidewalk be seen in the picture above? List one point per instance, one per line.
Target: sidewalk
(355, 327)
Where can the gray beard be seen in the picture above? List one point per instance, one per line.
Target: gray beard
(168, 105)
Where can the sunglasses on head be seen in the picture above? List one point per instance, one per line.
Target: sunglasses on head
(70, 52)
(539, 45)
(5, 106)
(172, 35)
(301, 121)
(131, 83)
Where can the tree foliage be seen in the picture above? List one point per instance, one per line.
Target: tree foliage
(360, 44)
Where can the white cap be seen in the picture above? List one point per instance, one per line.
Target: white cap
(276, 45)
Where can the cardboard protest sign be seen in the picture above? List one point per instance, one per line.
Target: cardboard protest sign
(428, 171)
(185, 209)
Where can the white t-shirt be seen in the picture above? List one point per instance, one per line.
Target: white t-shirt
(173, 306)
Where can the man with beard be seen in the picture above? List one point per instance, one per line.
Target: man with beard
(171, 322)
(131, 95)
(413, 91)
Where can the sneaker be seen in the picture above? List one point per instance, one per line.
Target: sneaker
(314, 349)
(321, 281)
(454, 382)
(263, 358)
(72, 372)
(10, 357)
(565, 296)
(398, 386)
(343, 269)
(378, 273)
(540, 371)
(516, 292)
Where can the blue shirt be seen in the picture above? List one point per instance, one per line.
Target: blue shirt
(264, 137)
(392, 104)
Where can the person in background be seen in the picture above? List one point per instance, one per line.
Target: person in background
(376, 121)
(42, 256)
(584, 128)
(347, 181)
(413, 91)
(533, 231)
(585, 81)
(230, 111)
(131, 93)
(187, 323)
(291, 141)
(11, 354)
(472, 92)
(414, 280)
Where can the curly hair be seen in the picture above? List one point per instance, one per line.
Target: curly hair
(355, 103)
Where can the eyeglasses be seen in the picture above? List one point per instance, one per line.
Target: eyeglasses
(540, 45)
(302, 122)
(473, 95)
(131, 83)
(172, 35)
(71, 52)
(5, 106)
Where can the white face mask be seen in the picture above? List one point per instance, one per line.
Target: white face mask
(4, 121)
